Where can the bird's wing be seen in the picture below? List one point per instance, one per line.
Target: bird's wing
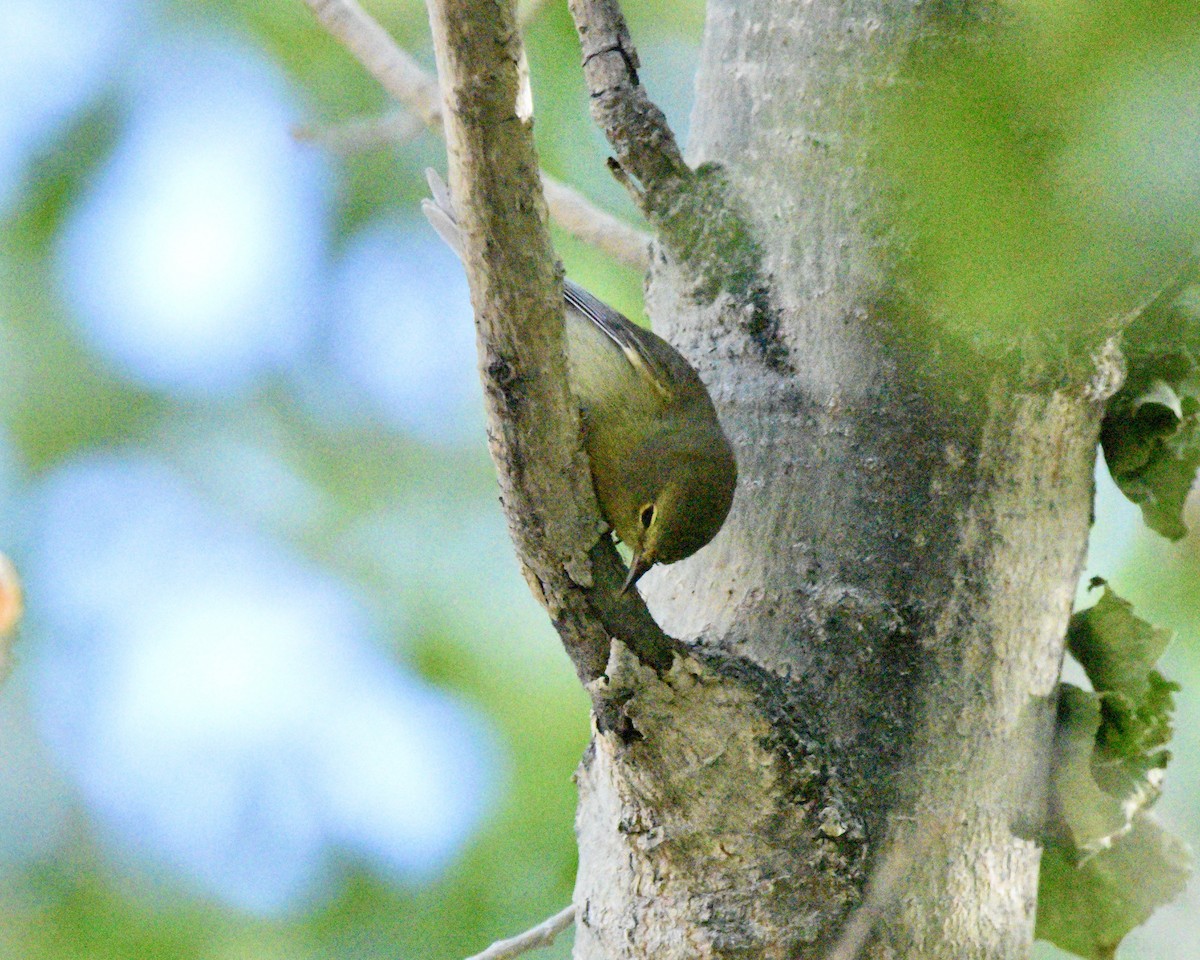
(652, 358)
(630, 338)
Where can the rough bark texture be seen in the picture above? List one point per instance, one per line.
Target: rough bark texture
(878, 630)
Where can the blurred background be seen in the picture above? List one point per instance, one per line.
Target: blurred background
(281, 690)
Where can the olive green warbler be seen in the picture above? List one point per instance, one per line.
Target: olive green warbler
(663, 469)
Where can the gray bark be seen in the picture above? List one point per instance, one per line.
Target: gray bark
(878, 629)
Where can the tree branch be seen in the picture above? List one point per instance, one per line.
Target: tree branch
(407, 83)
(697, 214)
(635, 127)
(543, 935)
(533, 420)
(363, 133)
(397, 126)
(595, 227)
(398, 73)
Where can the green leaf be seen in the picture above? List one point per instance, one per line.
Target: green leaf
(1088, 904)
(1132, 707)
(1083, 815)
(1106, 864)
(1132, 729)
(1116, 648)
(1151, 429)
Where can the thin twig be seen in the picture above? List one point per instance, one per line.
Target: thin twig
(622, 177)
(543, 935)
(402, 77)
(363, 133)
(399, 73)
(594, 226)
(697, 215)
(1187, 275)
(391, 129)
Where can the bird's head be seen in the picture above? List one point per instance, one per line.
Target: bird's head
(680, 496)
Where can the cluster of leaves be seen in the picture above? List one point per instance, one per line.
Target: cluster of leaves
(1107, 864)
(1151, 430)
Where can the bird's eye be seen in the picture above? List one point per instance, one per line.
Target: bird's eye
(647, 516)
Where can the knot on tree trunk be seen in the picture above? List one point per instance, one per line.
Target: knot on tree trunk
(708, 786)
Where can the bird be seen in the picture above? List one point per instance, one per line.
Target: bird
(662, 467)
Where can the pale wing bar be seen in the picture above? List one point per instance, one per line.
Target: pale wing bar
(621, 331)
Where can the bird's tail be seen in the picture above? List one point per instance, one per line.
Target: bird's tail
(439, 211)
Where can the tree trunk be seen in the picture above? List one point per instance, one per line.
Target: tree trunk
(878, 629)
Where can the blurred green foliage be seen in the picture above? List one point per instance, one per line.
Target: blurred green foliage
(1041, 162)
(490, 644)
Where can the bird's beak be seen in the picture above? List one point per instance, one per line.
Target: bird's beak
(639, 566)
